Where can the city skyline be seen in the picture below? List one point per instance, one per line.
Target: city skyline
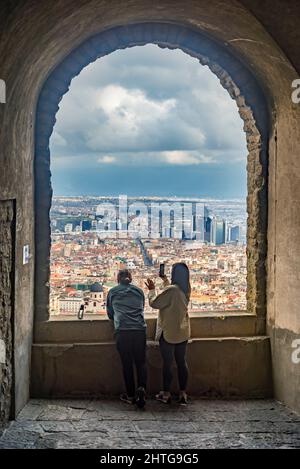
(146, 214)
(85, 256)
(148, 196)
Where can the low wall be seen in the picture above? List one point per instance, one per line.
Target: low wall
(236, 366)
(101, 329)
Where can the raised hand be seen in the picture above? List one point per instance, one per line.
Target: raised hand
(150, 284)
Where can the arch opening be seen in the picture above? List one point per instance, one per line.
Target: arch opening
(234, 77)
(155, 125)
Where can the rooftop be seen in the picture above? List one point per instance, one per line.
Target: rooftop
(96, 288)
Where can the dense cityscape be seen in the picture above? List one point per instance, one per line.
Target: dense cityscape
(85, 256)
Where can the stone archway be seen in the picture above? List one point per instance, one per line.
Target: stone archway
(234, 76)
(36, 36)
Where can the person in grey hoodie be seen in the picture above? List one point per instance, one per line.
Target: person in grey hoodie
(125, 307)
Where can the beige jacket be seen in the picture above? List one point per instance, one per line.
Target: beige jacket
(173, 318)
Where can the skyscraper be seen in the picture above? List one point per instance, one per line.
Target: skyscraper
(86, 225)
(218, 232)
(234, 233)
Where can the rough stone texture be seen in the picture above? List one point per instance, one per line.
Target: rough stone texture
(6, 306)
(281, 20)
(36, 36)
(70, 358)
(253, 111)
(222, 367)
(110, 424)
(99, 330)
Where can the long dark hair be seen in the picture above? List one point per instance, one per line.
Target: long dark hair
(181, 277)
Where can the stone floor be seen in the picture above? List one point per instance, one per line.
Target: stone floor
(106, 424)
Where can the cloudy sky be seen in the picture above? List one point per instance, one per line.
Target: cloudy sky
(148, 121)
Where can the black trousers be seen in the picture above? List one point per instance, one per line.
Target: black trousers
(131, 346)
(168, 352)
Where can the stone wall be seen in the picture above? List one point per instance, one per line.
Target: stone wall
(70, 358)
(224, 367)
(283, 294)
(6, 307)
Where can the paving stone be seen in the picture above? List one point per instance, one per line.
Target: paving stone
(30, 412)
(17, 438)
(163, 426)
(30, 426)
(143, 415)
(74, 404)
(172, 416)
(248, 427)
(57, 426)
(92, 414)
(109, 424)
(113, 426)
(60, 412)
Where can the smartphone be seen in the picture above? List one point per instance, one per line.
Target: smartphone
(162, 270)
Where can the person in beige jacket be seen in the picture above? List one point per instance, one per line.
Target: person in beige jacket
(173, 327)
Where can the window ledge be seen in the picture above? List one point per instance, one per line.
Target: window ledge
(101, 329)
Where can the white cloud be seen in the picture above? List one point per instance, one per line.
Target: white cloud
(130, 120)
(58, 140)
(107, 159)
(185, 158)
(148, 106)
(114, 98)
(166, 158)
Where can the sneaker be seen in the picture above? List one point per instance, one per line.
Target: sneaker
(128, 400)
(162, 398)
(182, 400)
(140, 398)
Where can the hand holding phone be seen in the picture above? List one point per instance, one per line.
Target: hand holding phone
(162, 271)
